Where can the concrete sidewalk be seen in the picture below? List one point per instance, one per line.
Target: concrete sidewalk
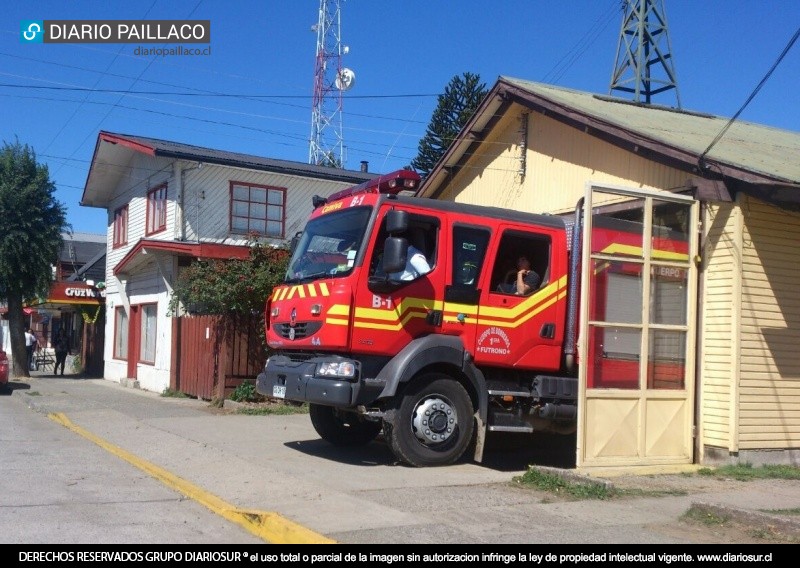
(278, 463)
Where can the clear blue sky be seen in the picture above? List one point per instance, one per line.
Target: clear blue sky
(398, 50)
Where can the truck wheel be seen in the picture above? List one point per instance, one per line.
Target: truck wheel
(342, 428)
(433, 422)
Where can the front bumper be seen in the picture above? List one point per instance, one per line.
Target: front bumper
(299, 381)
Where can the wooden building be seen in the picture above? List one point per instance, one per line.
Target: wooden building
(169, 203)
(537, 148)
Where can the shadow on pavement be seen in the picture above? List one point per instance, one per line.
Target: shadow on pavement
(374, 453)
(502, 452)
(13, 385)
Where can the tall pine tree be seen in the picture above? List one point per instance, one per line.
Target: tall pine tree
(31, 223)
(455, 107)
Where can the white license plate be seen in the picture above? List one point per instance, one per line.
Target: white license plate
(279, 391)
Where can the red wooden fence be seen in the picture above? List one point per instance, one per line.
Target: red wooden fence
(212, 355)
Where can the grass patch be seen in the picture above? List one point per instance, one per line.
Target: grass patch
(279, 409)
(172, 393)
(747, 472)
(788, 512)
(556, 484)
(705, 517)
(577, 489)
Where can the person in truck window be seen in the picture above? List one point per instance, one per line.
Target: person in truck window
(416, 266)
(416, 260)
(521, 281)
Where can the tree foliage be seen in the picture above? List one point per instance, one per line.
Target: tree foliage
(455, 107)
(230, 287)
(31, 223)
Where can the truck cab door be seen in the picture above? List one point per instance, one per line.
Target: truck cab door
(393, 309)
(465, 275)
(523, 330)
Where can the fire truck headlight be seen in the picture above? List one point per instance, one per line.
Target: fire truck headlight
(345, 369)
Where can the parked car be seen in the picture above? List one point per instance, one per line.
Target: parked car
(3, 369)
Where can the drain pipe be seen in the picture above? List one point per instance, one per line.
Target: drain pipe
(572, 291)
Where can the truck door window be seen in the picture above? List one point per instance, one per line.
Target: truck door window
(526, 252)
(469, 251)
(422, 236)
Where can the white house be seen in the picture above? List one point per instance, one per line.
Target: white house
(169, 203)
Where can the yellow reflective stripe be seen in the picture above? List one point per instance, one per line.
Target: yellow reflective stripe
(312, 291)
(538, 297)
(389, 327)
(670, 255)
(520, 321)
(632, 250)
(601, 267)
(324, 289)
(404, 307)
(337, 321)
(339, 310)
(461, 308)
(280, 294)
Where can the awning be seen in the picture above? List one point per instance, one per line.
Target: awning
(138, 254)
(69, 293)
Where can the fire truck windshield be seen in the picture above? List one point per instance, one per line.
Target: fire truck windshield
(329, 245)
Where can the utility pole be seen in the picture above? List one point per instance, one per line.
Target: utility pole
(326, 146)
(643, 65)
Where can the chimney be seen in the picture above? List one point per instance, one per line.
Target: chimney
(364, 166)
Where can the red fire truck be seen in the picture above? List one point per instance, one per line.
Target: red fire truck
(436, 357)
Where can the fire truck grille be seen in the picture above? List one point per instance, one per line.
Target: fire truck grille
(299, 357)
(301, 330)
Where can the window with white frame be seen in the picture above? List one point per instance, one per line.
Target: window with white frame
(157, 209)
(257, 209)
(120, 333)
(147, 352)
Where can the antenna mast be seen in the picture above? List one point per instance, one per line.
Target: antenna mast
(330, 81)
(643, 65)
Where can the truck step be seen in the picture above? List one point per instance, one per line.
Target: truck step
(507, 422)
(498, 388)
(526, 429)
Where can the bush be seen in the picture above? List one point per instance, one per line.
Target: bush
(245, 392)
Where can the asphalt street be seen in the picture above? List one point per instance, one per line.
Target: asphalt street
(125, 449)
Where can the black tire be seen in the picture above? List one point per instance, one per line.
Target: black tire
(342, 428)
(433, 423)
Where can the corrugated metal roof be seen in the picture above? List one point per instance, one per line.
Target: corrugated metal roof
(75, 249)
(753, 147)
(171, 149)
(113, 151)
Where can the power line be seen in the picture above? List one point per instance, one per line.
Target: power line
(750, 98)
(209, 93)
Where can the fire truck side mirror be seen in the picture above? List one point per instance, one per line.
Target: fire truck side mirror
(396, 221)
(395, 252)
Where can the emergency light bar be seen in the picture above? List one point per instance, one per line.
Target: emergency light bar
(391, 183)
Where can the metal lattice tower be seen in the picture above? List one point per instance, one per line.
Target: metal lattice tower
(327, 146)
(643, 65)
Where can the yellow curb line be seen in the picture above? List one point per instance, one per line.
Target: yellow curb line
(268, 526)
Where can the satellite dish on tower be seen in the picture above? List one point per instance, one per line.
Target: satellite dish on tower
(345, 79)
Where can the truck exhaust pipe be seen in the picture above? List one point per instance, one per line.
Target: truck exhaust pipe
(572, 293)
